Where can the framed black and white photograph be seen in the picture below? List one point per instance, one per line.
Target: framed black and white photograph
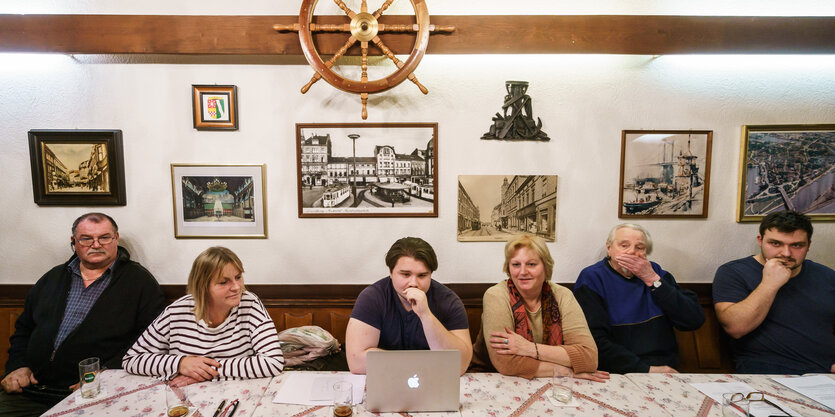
(215, 107)
(494, 208)
(219, 201)
(664, 174)
(787, 167)
(367, 169)
(77, 167)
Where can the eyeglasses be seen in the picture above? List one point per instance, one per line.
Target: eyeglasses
(88, 241)
(756, 396)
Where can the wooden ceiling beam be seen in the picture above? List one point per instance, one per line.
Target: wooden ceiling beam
(586, 34)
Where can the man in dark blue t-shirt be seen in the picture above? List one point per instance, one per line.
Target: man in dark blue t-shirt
(407, 310)
(777, 305)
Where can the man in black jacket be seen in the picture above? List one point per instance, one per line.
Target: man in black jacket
(95, 305)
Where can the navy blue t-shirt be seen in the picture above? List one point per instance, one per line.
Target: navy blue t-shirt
(379, 306)
(796, 335)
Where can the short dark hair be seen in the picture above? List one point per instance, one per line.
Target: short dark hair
(95, 218)
(787, 222)
(413, 247)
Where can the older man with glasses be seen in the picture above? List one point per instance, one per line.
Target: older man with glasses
(94, 305)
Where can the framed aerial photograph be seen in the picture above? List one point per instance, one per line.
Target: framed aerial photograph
(77, 167)
(494, 208)
(787, 167)
(219, 201)
(367, 169)
(215, 107)
(664, 174)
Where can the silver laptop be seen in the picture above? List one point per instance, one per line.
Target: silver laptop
(412, 380)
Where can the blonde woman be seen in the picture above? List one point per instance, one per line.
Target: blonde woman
(217, 331)
(531, 326)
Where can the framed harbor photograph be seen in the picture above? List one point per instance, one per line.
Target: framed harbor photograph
(215, 107)
(787, 167)
(664, 173)
(494, 208)
(219, 201)
(77, 167)
(367, 169)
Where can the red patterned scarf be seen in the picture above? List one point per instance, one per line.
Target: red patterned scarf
(551, 319)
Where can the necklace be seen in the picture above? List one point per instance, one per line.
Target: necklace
(89, 279)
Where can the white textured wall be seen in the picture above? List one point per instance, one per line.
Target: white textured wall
(584, 103)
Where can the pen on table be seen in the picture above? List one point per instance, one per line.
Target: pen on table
(234, 407)
(219, 408)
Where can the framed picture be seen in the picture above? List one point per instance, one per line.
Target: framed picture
(215, 107)
(77, 167)
(367, 169)
(787, 167)
(664, 174)
(219, 201)
(494, 208)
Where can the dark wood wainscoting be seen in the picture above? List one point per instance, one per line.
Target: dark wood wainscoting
(329, 306)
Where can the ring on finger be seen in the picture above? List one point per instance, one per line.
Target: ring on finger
(506, 341)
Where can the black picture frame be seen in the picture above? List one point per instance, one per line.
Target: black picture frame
(61, 176)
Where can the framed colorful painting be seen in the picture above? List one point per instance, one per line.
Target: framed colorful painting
(787, 167)
(219, 201)
(215, 107)
(664, 174)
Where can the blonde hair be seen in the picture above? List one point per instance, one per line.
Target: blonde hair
(534, 243)
(206, 267)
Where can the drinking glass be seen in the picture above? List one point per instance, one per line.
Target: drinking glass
(343, 398)
(176, 401)
(88, 374)
(561, 387)
(734, 405)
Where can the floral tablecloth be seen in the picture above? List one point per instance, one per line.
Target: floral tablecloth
(496, 395)
(679, 398)
(124, 394)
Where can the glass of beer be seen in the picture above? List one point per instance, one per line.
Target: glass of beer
(176, 401)
(343, 399)
(88, 373)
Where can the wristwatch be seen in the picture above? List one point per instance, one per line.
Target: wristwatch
(656, 284)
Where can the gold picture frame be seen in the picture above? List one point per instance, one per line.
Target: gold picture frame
(219, 201)
(787, 167)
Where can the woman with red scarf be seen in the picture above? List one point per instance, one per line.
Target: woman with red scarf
(534, 326)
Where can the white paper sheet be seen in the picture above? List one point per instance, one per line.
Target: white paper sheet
(820, 388)
(714, 390)
(312, 388)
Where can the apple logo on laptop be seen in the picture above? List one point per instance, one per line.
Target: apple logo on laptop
(414, 381)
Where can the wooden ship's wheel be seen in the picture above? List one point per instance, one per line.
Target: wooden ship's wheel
(364, 28)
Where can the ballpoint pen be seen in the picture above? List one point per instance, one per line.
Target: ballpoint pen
(219, 409)
(234, 407)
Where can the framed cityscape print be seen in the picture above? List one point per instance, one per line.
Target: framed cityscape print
(494, 208)
(215, 107)
(664, 174)
(77, 167)
(367, 169)
(787, 167)
(219, 201)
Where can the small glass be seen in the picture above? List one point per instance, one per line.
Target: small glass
(343, 399)
(561, 392)
(176, 401)
(88, 374)
(734, 405)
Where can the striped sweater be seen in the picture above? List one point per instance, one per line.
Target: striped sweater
(246, 343)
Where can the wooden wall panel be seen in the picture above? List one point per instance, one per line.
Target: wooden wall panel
(475, 34)
(329, 307)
